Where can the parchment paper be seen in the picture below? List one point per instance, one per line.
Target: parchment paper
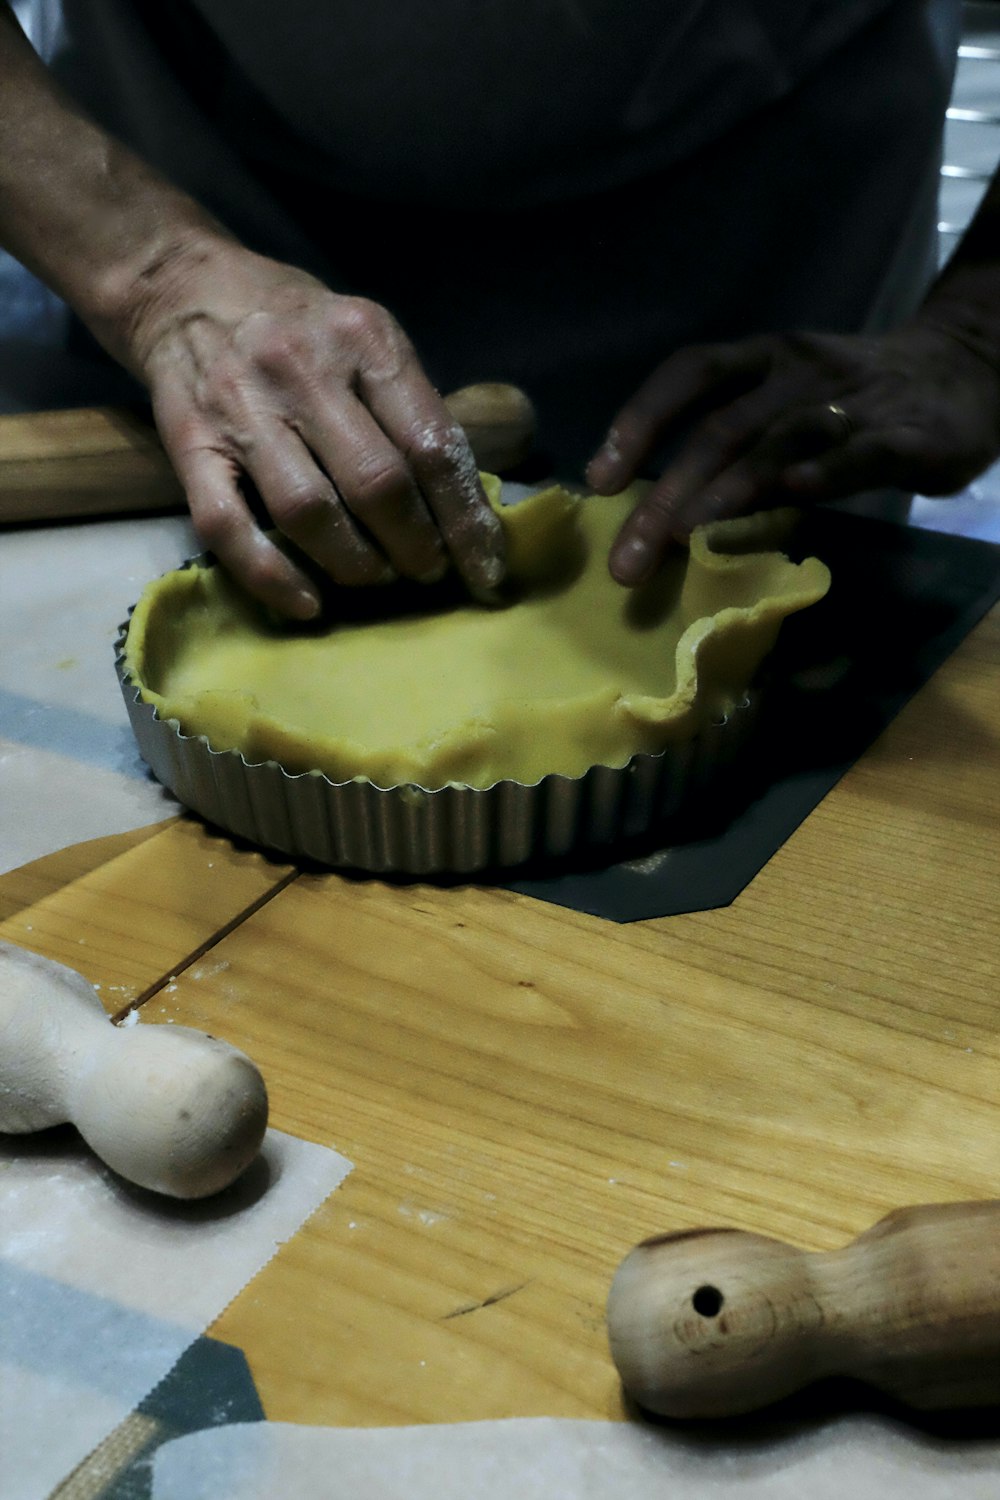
(850, 1458)
(69, 767)
(103, 1286)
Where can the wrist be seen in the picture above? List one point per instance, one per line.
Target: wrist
(965, 308)
(137, 296)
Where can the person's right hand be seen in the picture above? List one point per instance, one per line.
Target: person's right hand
(258, 371)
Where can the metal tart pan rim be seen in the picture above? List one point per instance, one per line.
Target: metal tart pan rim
(408, 829)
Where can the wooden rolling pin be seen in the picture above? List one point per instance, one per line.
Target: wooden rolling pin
(90, 461)
(715, 1322)
(166, 1107)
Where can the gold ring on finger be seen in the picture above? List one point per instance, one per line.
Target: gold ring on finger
(844, 422)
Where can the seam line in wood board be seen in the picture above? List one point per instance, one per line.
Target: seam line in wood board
(206, 947)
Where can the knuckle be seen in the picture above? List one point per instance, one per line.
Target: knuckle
(698, 356)
(829, 352)
(355, 565)
(795, 427)
(223, 388)
(266, 573)
(695, 364)
(362, 322)
(279, 352)
(722, 433)
(183, 434)
(373, 338)
(714, 362)
(368, 573)
(435, 445)
(656, 513)
(715, 507)
(802, 344)
(301, 506)
(215, 524)
(633, 423)
(378, 482)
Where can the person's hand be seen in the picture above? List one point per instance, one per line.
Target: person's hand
(258, 372)
(781, 419)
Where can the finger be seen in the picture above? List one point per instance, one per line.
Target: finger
(737, 491)
(867, 461)
(721, 472)
(448, 476)
(755, 479)
(378, 487)
(414, 417)
(663, 515)
(304, 505)
(226, 527)
(644, 537)
(807, 430)
(679, 385)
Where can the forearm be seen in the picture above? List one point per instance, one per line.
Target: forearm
(79, 209)
(965, 298)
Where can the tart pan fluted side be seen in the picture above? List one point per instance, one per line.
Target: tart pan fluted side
(410, 830)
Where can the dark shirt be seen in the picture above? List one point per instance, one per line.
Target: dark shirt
(555, 192)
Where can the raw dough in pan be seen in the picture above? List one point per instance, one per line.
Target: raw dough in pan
(570, 671)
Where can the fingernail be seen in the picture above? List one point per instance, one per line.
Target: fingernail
(608, 458)
(435, 574)
(602, 469)
(305, 605)
(491, 572)
(632, 562)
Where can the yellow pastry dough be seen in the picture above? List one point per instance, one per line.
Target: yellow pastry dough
(571, 671)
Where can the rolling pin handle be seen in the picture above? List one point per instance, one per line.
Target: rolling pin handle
(91, 461)
(714, 1323)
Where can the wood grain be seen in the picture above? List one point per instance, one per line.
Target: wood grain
(90, 461)
(51, 872)
(81, 462)
(527, 1091)
(150, 908)
(722, 1323)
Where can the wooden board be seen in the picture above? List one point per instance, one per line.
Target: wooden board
(84, 461)
(144, 913)
(526, 1091)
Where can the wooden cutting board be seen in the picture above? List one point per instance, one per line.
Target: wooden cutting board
(526, 1091)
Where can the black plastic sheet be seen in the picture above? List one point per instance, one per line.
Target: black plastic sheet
(900, 602)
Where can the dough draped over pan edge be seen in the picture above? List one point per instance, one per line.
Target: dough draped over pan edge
(568, 671)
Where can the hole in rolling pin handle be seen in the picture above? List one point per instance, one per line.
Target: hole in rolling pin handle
(708, 1301)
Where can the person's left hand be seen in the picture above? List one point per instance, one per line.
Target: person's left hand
(783, 419)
